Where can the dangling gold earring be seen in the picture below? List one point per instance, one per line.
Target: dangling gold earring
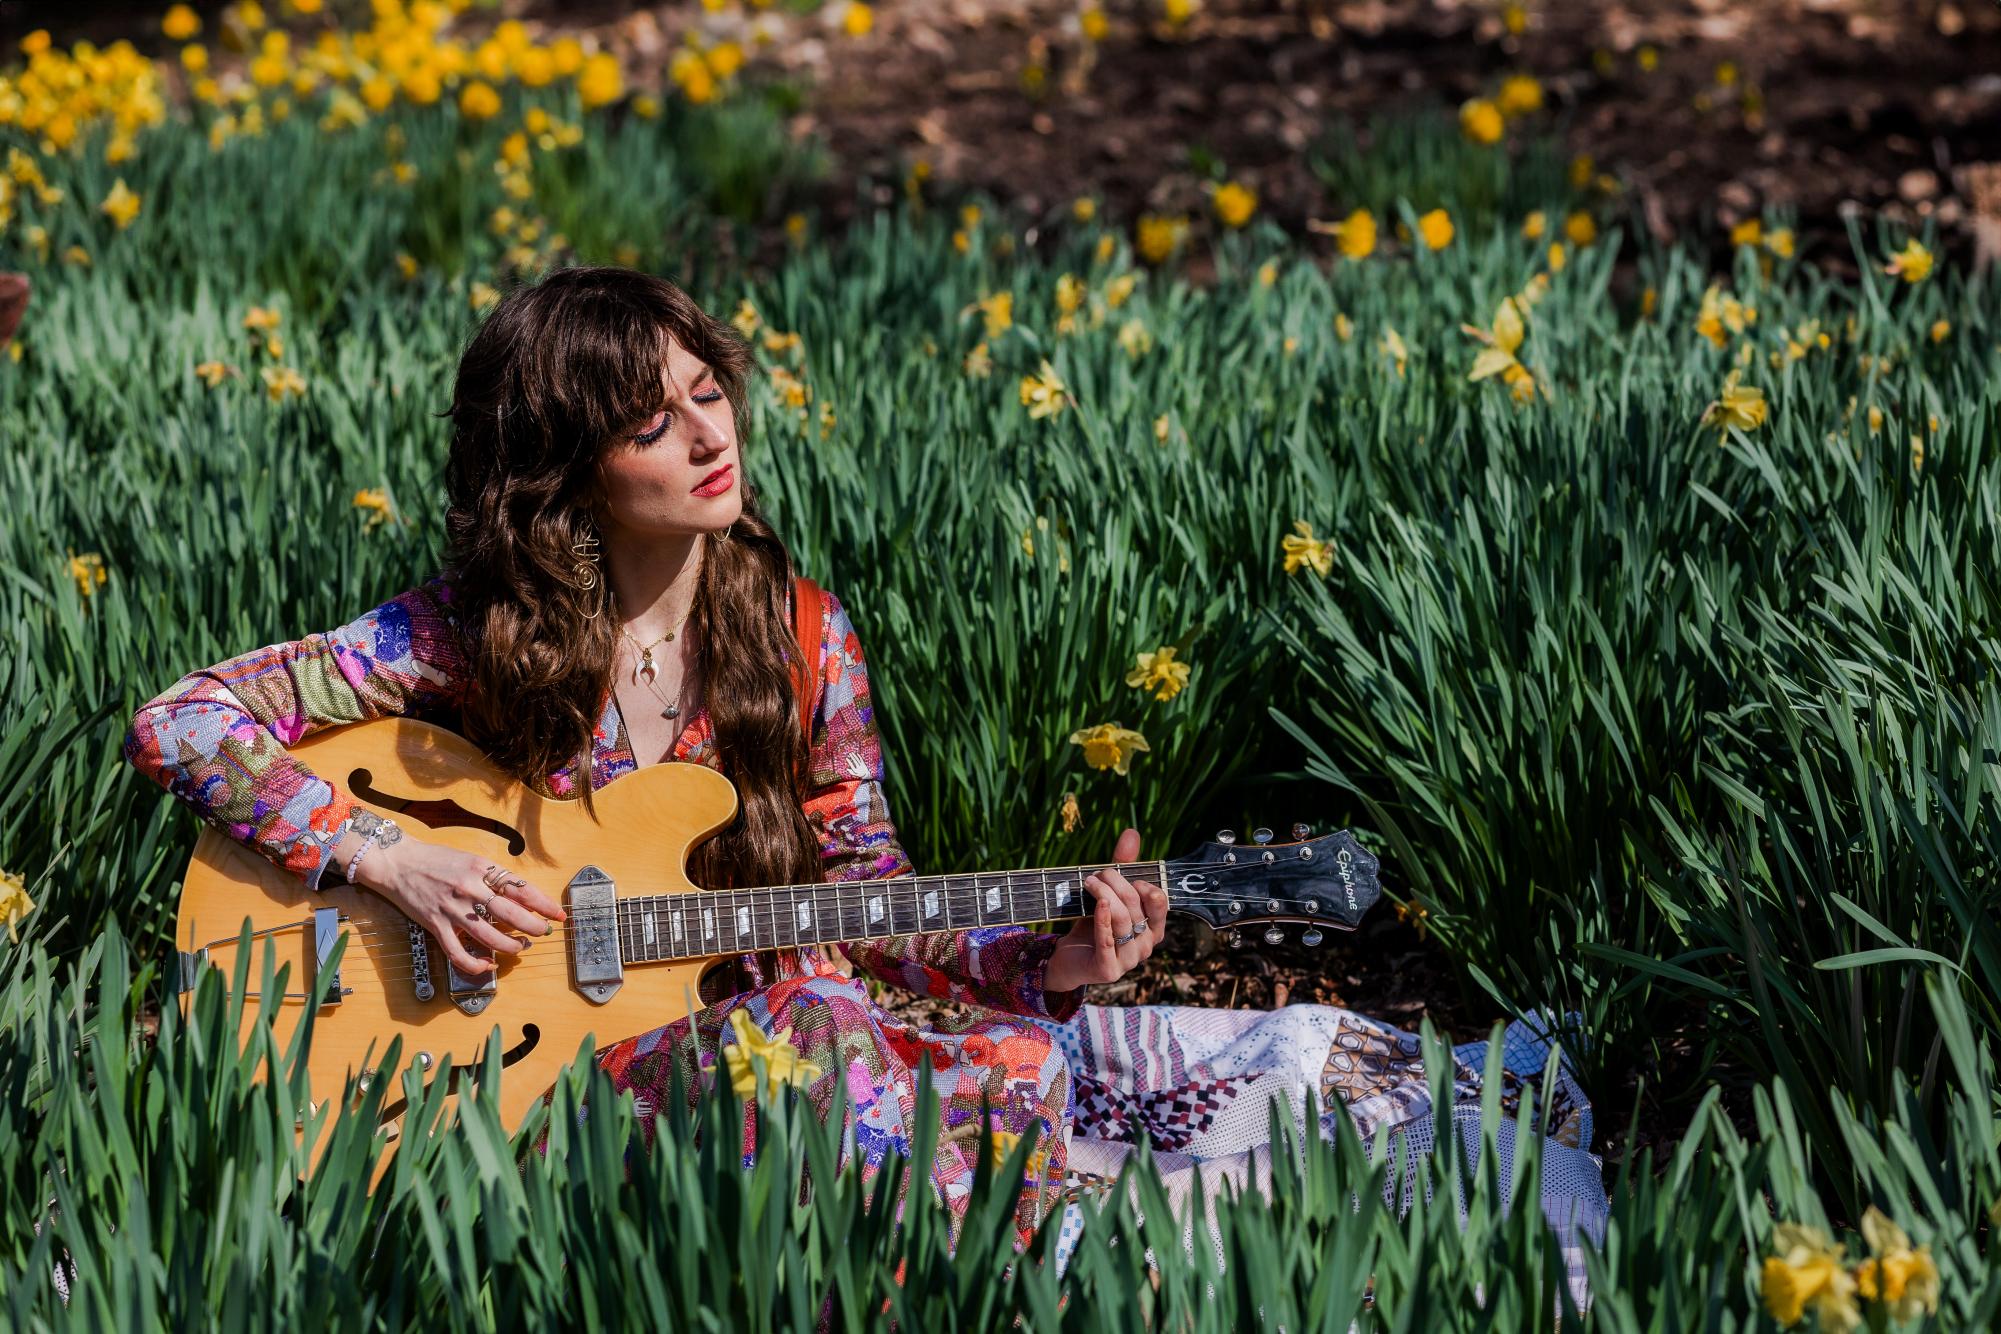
(724, 536)
(586, 568)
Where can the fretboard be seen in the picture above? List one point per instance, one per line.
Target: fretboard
(734, 921)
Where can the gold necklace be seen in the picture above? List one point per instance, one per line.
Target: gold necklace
(645, 665)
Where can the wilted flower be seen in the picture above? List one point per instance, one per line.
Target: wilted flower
(1302, 548)
(1498, 356)
(1159, 672)
(1070, 814)
(1109, 746)
(1135, 339)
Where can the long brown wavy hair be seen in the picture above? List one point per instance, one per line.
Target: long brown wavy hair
(561, 371)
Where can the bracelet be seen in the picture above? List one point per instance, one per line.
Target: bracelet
(367, 842)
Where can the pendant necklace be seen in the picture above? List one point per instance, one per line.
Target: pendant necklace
(646, 669)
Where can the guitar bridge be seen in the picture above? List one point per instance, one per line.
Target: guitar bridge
(471, 993)
(326, 930)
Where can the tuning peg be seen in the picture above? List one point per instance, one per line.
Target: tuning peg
(1226, 836)
(1311, 937)
(1232, 939)
(1261, 836)
(1274, 936)
(1301, 832)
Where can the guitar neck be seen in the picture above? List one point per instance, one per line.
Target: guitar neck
(734, 921)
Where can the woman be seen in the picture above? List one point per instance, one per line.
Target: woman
(611, 599)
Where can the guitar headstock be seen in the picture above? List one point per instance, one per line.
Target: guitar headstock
(1320, 883)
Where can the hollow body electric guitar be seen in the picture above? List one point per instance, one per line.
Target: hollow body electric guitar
(639, 935)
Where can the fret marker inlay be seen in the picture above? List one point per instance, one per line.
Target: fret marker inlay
(993, 898)
(743, 921)
(931, 904)
(875, 908)
(1062, 893)
(676, 919)
(709, 922)
(805, 915)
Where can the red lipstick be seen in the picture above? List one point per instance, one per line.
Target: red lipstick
(717, 482)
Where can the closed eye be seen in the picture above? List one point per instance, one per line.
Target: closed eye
(667, 419)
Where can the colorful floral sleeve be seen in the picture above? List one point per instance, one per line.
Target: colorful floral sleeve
(217, 738)
(1000, 968)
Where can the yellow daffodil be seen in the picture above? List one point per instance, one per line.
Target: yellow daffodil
(1043, 394)
(1109, 746)
(745, 318)
(1069, 294)
(783, 1062)
(88, 571)
(121, 205)
(1902, 1277)
(1941, 330)
(211, 373)
(1581, 228)
(1135, 339)
(1093, 24)
(14, 902)
(1156, 235)
(282, 381)
(1069, 813)
(479, 101)
(1303, 550)
(261, 319)
(998, 308)
(1502, 342)
(483, 296)
(1344, 328)
(1177, 12)
(1481, 121)
(599, 81)
(1520, 95)
(978, 363)
(1748, 232)
(1913, 263)
(1807, 1273)
(1416, 916)
(1720, 313)
(1534, 225)
(1160, 429)
(1649, 58)
(1234, 203)
(1118, 289)
(795, 228)
(180, 23)
(1917, 465)
(1738, 405)
(1159, 672)
(1004, 1144)
(1354, 235)
(1394, 349)
(375, 503)
(857, 19)
(1436, 229)
(77, 255)
(1515, 19)
(1780, 242)
(1268, 273)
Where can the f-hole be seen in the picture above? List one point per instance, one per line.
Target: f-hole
(437, 814)
(469, 1072)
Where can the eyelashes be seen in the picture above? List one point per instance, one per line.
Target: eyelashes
(649, 437)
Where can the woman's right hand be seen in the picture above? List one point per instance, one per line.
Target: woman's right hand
(438, 887)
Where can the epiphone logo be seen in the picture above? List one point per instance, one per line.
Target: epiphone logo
(1345, 860)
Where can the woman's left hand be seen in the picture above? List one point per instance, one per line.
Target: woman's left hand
(1114, 939)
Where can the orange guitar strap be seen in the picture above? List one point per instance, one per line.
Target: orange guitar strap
(808, 608)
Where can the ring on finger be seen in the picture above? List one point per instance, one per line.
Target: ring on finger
(1131, 935)
(493, 875)
(481, 910)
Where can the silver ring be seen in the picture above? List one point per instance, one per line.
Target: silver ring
(480, 909)
(1132, 935)
(490, 875)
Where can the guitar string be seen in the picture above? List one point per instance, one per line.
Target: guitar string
(766, 919)
(398, 966)
(774, 905)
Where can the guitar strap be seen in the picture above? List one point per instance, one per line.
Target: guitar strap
(808, 609)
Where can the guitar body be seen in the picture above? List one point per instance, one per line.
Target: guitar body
(650, 820)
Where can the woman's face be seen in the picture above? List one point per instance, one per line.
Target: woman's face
(678, 473)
